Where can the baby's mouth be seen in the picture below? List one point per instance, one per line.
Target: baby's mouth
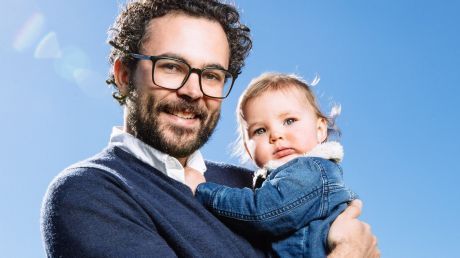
(282, 152)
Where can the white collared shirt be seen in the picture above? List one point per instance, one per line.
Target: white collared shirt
(157, 159)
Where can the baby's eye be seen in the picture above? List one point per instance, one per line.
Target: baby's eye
(289, 121)
(259, 131)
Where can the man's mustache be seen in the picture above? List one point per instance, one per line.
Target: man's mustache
(183, 106)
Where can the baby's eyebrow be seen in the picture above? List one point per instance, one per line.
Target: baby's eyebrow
(253, 124)
(287, 113)
(249, 126)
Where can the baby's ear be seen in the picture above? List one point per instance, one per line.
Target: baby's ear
(321, 129)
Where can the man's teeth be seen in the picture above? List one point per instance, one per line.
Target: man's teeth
(184, 115)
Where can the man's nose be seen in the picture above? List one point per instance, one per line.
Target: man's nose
(191, 89)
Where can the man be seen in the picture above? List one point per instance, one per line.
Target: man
(173, 63)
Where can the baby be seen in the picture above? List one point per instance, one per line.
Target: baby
(298, 190)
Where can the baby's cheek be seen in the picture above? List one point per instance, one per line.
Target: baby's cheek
(256, 151)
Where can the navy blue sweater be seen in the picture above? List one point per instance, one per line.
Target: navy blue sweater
(114, 205)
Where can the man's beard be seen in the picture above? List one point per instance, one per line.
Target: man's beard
(143, 121)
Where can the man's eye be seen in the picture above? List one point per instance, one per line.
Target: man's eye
(170, 68)
(213, 76)
(259, 131)
(289, 121)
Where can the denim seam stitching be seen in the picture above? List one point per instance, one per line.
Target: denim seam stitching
(274, 213)
(324, 187)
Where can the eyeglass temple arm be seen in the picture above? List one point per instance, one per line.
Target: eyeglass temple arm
(139, 56)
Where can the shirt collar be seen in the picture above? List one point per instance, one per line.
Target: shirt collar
(155, 158)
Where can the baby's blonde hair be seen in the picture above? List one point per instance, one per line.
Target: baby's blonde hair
(278, 82)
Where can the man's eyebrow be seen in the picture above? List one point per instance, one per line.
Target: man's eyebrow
(176, 56)
(218, 66)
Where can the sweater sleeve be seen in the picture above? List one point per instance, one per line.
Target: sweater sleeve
(87, 213)
(294, 195)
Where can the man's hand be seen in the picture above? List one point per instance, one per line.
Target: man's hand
(349, 237)
(193, 178)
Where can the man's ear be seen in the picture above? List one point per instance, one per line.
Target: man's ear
(321, 127)
(121, 74)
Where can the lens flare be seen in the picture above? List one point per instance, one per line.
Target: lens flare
(72, 59)
(48, 48)
(29, 32)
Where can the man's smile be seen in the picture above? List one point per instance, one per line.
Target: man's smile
(184, 115)
(182, 118)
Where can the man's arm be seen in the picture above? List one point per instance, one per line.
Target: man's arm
(349, 237)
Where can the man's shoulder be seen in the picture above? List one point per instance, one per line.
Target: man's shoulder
(227, 167)
(85, 175)
(228, 174)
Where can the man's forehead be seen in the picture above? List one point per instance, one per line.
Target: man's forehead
(194, 39)
(166, 23)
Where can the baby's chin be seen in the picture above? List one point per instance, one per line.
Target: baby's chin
(271, 164)
(288, 158)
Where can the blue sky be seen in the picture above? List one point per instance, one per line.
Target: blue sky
(394, 66)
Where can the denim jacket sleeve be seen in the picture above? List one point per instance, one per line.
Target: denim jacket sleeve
(293, 195)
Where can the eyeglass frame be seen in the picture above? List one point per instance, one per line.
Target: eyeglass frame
(198, 71)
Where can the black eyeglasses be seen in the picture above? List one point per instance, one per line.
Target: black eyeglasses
(172, 73)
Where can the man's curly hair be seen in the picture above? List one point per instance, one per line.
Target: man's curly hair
(127, 32)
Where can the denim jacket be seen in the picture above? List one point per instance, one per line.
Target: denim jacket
(293, 208)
